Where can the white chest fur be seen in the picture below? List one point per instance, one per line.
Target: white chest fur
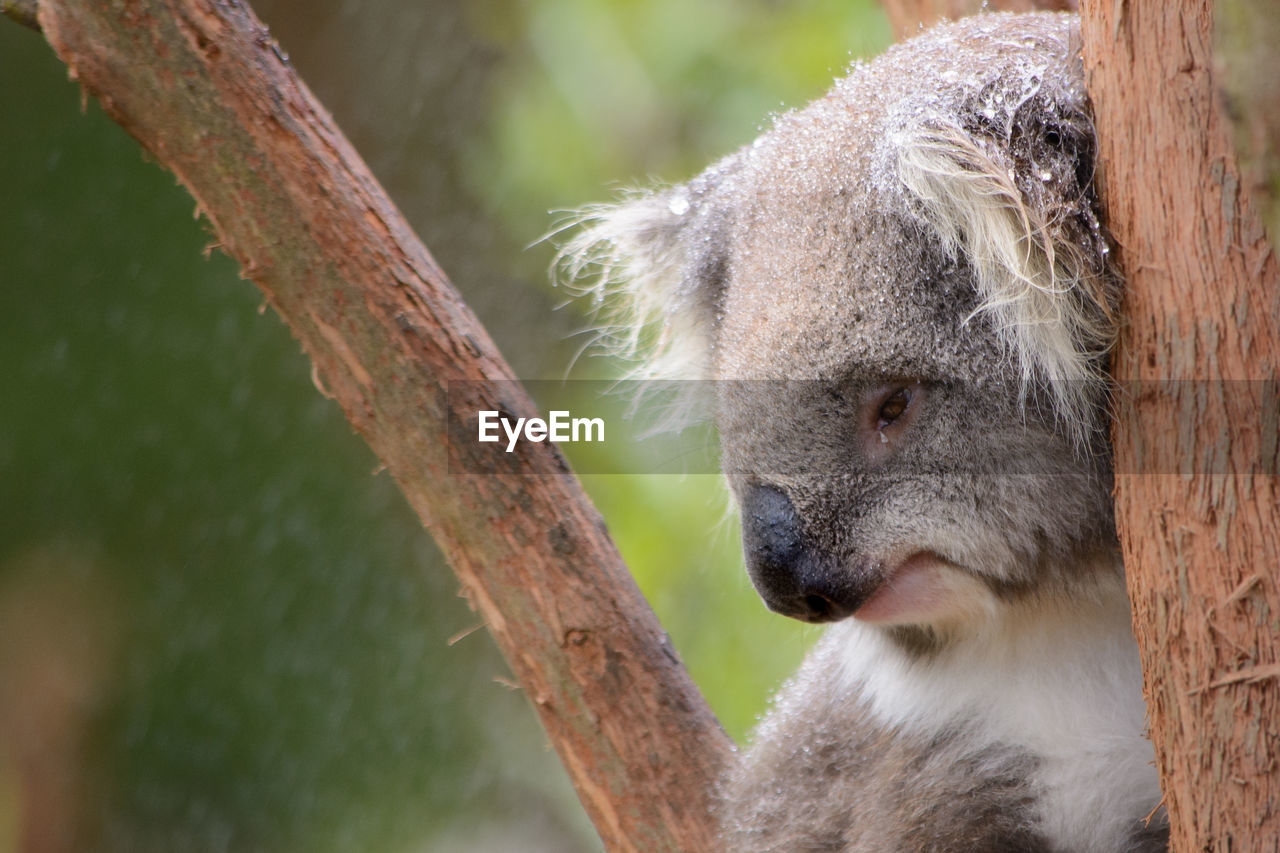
(1059, 679)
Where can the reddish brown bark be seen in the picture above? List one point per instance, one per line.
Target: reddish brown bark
(1197, 496)
(908, 17)
(201, 84)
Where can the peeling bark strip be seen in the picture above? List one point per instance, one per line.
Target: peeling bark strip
(1202, 551)
(202, 85)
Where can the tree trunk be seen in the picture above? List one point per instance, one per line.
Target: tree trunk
(1197, 492)
(201, 84)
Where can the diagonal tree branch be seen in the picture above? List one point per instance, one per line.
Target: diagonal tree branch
(202, 85)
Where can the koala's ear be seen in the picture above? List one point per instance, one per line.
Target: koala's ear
(1019, 209)
(654, 266)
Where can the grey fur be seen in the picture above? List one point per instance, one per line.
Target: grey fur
(928, 230)
(936, 795)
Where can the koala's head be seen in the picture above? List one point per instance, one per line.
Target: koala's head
(903, 294)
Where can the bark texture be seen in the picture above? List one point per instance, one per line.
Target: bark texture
(1197, 491)
(908, 17)
(202, 85)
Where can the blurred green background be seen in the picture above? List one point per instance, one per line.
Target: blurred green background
(220, 628)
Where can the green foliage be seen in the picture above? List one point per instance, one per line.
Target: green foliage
(605, 93)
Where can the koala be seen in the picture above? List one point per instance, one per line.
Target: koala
(905, 298)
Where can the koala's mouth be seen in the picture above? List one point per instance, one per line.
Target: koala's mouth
(924, 589)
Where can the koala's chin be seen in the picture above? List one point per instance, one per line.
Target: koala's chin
(905, 297)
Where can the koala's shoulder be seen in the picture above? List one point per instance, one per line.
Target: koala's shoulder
(824, 775)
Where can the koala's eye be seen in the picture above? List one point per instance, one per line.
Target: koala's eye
(894, 407)
(888, 413)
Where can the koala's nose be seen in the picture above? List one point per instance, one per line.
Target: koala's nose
(794, 578)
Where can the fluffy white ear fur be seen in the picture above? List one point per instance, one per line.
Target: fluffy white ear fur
(634, 259)
(1047, 296)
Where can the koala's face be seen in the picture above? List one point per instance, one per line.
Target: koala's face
(887, 459)
(903, 293)
(901, 490)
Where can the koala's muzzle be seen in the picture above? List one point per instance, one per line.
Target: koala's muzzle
(794, 577)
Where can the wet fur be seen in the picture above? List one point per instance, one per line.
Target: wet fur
(932, 220)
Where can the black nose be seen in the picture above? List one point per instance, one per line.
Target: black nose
(792, 576)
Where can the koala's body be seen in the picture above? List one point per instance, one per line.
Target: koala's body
(906, 296)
